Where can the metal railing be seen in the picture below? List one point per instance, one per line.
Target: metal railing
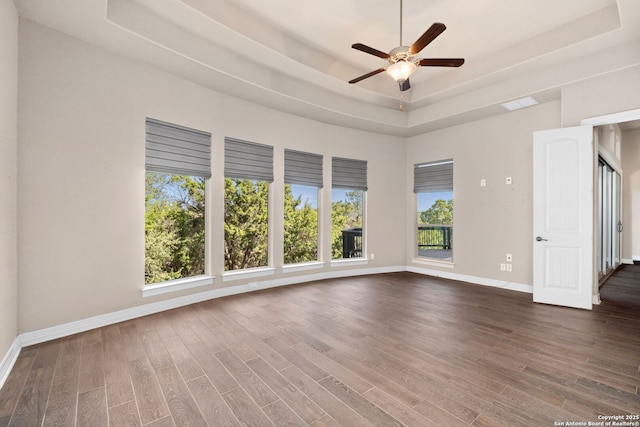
(352, 243)
(431, 236)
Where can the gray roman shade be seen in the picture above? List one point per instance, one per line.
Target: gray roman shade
(433, 177)
(177, 149)
(349, 174)
(302, 168)
(248, 160)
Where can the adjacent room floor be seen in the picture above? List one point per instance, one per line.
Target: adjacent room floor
(389, 349)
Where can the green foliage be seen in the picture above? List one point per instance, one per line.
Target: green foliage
(441, 212)
(345, 214)
(246, 223)
(174, 226)
(300, 229)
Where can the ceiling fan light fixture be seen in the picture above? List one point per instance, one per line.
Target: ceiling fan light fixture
(401, 70)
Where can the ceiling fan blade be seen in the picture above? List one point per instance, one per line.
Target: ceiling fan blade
(441, 62)
(405, 85)
(366, 49)
(366, 76)
(434, 31)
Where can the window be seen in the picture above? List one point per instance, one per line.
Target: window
(349, 185)
(248, 170)
(303, 180)
(433, 185)
(177, 161)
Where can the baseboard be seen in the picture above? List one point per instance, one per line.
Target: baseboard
(59, 331)
(627, 261)
(66, 329)
(9, 360)
(520, 287)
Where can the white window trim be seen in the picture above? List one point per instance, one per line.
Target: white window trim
(302, 266)
(176, 285)
(345, 262)
(433, 262)
(248, 273)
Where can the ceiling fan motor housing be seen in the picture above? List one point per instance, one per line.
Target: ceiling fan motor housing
(400, 53)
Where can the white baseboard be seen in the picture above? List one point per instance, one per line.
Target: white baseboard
(520, 287)
(59, 331)
(66, 329)
(9, 360)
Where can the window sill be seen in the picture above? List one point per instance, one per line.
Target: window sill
(176, 285)
(249, 273)
(303, 266)
(349, 261)
(434, 262)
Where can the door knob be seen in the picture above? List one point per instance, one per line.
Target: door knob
(540, 239)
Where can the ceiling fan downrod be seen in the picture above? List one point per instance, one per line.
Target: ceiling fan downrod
(400, 22)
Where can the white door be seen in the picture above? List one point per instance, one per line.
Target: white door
(563, 248)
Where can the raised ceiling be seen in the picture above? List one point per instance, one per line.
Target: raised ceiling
(295, 55)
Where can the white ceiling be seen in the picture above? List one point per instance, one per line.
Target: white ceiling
(295, 55)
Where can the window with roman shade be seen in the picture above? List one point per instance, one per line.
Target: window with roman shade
(176, 149)
(302, 168)
(433, 177)
(178, 164)
(349, 185)
(433, 185)
(302, 184)
(248, 160)
(248, 172)
(349, 174)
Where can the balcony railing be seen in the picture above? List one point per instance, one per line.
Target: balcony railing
(434, 236)
(434, 241)
(352, 243)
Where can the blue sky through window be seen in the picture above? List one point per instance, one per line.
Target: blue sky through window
(426, 200)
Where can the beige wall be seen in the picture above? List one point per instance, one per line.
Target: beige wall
(81, 175)
(606, 94)
(490, 221)
(8, 173)
(631, 195)
(81, 170)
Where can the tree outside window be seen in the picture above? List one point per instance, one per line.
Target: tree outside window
(300, 223)
(246, 224)
(174, 226)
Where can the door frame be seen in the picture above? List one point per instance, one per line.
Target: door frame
(607, 119)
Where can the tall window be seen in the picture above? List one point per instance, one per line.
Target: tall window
(349, 186)
(303, 180)
(433, 185)
(248, 171)
(177, 161)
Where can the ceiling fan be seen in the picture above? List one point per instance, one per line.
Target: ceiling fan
(402, 62)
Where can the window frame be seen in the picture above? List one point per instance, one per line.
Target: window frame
(439, 180)
(179, 151)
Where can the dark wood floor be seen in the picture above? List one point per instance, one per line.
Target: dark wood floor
(391, 349)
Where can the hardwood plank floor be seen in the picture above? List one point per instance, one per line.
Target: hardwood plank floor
(389, 349)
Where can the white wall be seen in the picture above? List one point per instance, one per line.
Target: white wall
(631, 195)
(81, 173)
(606, 94)
(8, 173)
(490, 221)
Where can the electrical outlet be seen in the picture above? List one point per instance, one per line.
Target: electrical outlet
(508, 180)
(509, 258)
(483, 182)
(372, 256)
(509, 267)
(503, 267)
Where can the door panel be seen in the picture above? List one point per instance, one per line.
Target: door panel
(563, 217)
